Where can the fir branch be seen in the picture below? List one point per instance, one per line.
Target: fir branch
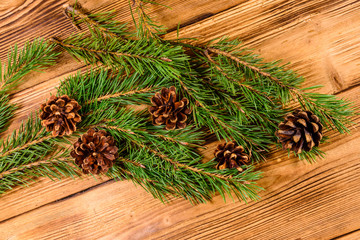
(232, 92)
(28, 144)
(30, 165)
(116, 95)
(103, 125)
(222, 123)
(116, 87)
(159, 185)
(287, 82)
(145, 25)
(34, 56)
(131, 162)
(332, 112)
(103, 23)
(196, 182)
(180, 165)
(107, 52)
(166, 158)
(139, 55)
(206, 53)
(248, 65)
(170, 139)
(6, 111)
(237, 82)
(250, 89)
(53, 169)
(129, 130)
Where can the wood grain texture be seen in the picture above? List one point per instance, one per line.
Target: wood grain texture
(351, 235)
(320, 201)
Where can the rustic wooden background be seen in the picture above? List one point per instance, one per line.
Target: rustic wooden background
(321, 39)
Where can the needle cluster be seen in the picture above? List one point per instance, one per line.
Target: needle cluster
(34, 56)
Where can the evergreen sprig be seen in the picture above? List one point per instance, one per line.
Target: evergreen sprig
(236, 95)
(231, 67)
(34, 56)
(55, 168)
(6, 111)
(164, 163)
(146, 26)
(99, 24)
(133, 55)
(122, 89)
(282, 84)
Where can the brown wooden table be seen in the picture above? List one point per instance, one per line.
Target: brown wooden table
(321, 39)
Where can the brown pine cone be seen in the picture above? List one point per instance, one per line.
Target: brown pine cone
(168, 110)
(300, 131)
(95, 151)
(230, 155)
(60, 115)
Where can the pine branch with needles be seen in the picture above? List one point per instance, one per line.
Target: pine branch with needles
(34, 56)
(133, 55)
(100, 24)
(164, 163)
(232, 92)
(236, 95)
(146, 26)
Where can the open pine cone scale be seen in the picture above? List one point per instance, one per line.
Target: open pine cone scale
(60, 115)
(230, 155)
(301, 131)
(168, 110)
(95, 151)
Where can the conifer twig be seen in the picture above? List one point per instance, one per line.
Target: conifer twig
(108, 52)
(132, 162)
(34, 56)
(37, 141)
(175, 141)
(246, 64)
(180, 165)
(233, 80)
(77, 12)
(145, 25)
(115, 95)
(31, 165)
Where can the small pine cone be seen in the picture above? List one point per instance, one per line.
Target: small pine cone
(230, 155)
(60, 115)
(300, 131)
(168, 110)
(95, 151)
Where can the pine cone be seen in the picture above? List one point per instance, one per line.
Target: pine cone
(95, 151)
(168, 110)
(59, 115)
(230, 155)
(300, 131)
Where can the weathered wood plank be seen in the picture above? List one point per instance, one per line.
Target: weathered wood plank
(350, 236)
(39, 194)
(317, 37)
